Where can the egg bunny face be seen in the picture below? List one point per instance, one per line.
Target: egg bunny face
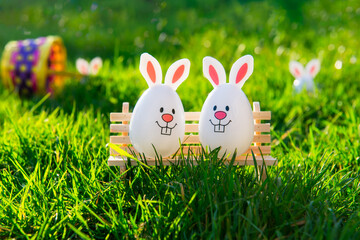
(226, 118)
(158, 118)
(304, 76)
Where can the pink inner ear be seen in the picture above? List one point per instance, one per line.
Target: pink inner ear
(297, 72)
(213, 74)
(151, 71)
(83, 69)
(241, 73)
(178, 73)
(95, 66)
(312, 70)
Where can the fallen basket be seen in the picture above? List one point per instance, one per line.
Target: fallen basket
(260, 145)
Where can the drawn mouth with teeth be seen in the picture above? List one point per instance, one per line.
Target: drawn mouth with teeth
(218, 127)
(166, 130)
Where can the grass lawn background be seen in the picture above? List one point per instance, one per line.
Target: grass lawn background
(54, 178)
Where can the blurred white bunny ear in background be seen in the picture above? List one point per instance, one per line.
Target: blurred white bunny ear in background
(95, 65)
(82, 66)
(86, 68)
(296, 69)
(313, 67)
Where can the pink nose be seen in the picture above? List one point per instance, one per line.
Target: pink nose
(167, 117)
(220, 115)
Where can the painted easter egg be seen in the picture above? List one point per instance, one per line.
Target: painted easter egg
(157, 125)
(226, 118)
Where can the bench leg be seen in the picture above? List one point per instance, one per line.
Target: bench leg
(122, 169)
(261, 169)
(262, 173)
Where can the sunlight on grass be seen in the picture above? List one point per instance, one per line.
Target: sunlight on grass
(54, 178)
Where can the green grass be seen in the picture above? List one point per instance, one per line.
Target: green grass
(54, 178)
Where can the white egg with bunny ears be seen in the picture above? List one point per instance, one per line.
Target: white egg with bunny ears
(226, 118)
(157, 125)
(304, 77)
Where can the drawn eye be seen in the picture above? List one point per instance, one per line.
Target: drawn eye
(173, 111)
(227, 108)
(161, 109)
(215, 108)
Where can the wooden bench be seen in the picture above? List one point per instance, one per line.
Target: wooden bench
(260, 146)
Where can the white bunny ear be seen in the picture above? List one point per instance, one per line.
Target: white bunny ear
(177, 73)
(313, 67)
(150, 69)
(82, 66)
(95, 65)
(296, 69)
(241, 70)
(214, 71)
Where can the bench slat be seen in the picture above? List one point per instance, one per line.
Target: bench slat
(120, 139)
(240, 160)
(118, 128)
(189, 116)
(192, 116)
(189, 139)
(191, 127)
(119, 117)
(197, 150)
